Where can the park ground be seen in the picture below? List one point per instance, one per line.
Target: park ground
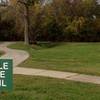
(81, 57)
(1, 53)
(40, 88)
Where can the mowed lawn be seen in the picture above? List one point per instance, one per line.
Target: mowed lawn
(40, 88)
(74, 57)
(1, 53)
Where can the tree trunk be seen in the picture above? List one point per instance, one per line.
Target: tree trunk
(26, 23)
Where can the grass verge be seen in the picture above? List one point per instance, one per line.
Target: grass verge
(40, 88)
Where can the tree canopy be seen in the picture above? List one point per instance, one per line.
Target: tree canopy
(59, 20)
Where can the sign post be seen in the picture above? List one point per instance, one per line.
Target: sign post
(6, 75)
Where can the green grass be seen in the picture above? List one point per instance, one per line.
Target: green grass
(39, 88)
(1, 53)
(74, 57)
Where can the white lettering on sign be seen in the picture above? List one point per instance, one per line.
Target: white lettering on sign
(5, 66)
(2, 83)
(2, 74)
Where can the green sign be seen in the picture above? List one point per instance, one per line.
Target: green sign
(6, 73)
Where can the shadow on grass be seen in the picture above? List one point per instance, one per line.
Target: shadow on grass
(48, 44)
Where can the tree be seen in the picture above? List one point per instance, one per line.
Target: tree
(26, 4)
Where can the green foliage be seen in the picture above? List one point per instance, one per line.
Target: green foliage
(60, 20)
(27, 2)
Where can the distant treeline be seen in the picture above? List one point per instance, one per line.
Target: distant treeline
(60, 20)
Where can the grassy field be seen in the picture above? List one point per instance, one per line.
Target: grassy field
(74, 57)
(39, 88)
(1, 53)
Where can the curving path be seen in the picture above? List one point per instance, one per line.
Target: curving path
(19, 56)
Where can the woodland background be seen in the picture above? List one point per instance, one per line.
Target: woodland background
(59, 20)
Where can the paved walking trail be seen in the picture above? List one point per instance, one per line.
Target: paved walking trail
(19, 56)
